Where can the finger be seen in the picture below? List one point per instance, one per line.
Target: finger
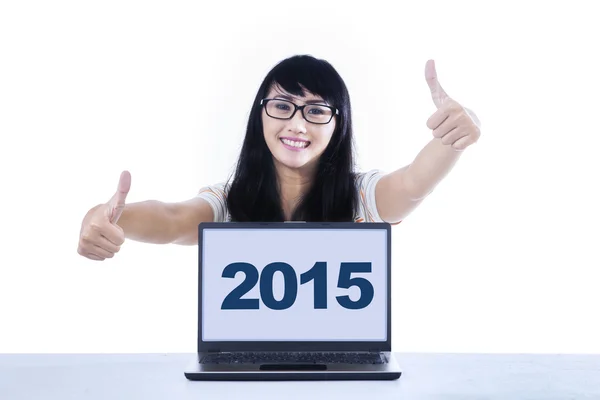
(473, 117)
(111, 232)
(463, 142)
(86, 249)
(100, 252)
(82, 250)
(117, 202)
(114, 234)
(438, 94)
(107, 245)
(94, 257)
(445, 127)
(453, 136)
(439, 116)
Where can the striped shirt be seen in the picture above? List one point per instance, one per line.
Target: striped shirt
(216, 195)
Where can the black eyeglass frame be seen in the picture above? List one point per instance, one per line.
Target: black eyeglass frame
(334, 110)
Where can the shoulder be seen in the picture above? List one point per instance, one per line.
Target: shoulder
(218, 189)
(364, 179)
(216, 196)
(365, 187)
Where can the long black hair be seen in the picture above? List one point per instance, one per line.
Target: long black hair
(254, 193)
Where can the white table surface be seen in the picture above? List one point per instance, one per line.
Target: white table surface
(424, 376)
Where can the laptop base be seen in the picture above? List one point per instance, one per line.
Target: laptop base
(293, 376)
(292, 372)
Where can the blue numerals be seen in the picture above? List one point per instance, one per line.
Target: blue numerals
(317, 274)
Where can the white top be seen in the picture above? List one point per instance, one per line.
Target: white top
(367, 208)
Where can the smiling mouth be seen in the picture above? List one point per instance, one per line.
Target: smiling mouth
(296, 144)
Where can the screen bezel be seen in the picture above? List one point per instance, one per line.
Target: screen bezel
(219, 346)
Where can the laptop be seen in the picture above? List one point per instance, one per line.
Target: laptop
(294, 301)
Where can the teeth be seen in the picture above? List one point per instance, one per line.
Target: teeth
(294, 143)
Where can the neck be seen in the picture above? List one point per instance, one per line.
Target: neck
(293, 184)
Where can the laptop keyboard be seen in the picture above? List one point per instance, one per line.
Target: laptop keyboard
(293, 357)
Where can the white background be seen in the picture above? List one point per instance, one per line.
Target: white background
(500, 258)
(301, 321)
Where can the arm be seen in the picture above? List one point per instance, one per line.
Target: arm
(454, 129)
(400, 192)
(158, 222)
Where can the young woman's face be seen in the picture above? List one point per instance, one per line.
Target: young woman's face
(296, 143)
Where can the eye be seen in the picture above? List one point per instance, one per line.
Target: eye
(319, 110)
(282, 106)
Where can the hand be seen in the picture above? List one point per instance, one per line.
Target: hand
(454, 124)
(100, 236)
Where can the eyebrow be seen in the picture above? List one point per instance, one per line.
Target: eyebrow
(285, 97)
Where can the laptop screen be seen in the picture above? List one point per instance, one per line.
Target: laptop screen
(268, 284)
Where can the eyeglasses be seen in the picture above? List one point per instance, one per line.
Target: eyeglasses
(313, 113)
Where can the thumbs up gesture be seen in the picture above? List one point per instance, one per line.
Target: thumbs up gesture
(100, 236)
(454, 124)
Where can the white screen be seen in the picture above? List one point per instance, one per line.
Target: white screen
(303, 319)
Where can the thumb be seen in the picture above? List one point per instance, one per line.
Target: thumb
(117, 203)
(438, 94)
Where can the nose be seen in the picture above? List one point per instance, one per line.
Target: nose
(297, 123)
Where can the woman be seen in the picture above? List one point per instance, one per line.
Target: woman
(296, 164)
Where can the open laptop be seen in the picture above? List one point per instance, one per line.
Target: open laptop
(294, 301)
